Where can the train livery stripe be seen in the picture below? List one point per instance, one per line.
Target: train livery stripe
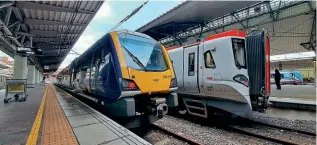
(120, 55)
(32, 139)
(234, 32)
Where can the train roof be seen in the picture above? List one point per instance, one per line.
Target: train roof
(232, 33)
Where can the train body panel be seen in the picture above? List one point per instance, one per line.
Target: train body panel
(206, 73)
(127, 72)
(214, 73)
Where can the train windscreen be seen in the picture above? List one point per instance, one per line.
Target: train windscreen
(142, 53)
(238, 46)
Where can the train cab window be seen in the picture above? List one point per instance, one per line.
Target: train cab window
(191, 64)
(238, 46)
(87, 73)
(209, 60)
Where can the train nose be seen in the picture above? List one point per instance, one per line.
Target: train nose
(162, 110)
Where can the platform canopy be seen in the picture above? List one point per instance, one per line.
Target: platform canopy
(291, 25)
(49, 28)
(190, 14)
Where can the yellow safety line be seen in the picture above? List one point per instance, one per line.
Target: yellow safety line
(32, 139)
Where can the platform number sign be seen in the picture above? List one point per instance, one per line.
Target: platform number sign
(46, 67)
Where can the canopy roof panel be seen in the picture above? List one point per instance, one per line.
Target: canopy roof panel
(190, 14)
(52, 27)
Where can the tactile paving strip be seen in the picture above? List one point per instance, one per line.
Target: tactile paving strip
(56, 128)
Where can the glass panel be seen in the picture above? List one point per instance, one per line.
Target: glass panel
(191, 64)
(142, 53)
(209, 61)
(238, 46)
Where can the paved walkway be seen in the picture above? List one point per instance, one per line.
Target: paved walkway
(16, 118)
(50, 116)
(297, 92)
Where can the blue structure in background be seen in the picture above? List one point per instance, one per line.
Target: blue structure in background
(289, 77)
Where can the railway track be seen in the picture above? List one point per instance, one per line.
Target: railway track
(283, 128)
(236, 128)
(268, 138)
(175, 135)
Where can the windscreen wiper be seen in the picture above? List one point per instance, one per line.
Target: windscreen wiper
(135, 59)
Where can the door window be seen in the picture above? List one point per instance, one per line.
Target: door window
(209, 60)
(191, 64)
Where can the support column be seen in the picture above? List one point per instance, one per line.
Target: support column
(20, 68)
(41, 78)
(31, 76)
(36, 76)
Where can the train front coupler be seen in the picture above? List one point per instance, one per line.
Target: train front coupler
(260, 102)
(159, 103)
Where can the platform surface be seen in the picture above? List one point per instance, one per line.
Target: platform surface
(296, 93)
(91, 127)
(16, 118)
(50, 116)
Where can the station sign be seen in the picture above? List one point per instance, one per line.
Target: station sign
(28, 50)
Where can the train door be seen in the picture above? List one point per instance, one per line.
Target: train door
(190, 69)
(87, 79)
(93, 74)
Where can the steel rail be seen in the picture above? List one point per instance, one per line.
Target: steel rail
(180, 137)
(241, 131)
(283, 128)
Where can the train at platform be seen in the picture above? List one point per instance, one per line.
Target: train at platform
(128, 74)
(227, 73)
(289, 78)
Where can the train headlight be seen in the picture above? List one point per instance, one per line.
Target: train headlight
(129, 85)
(241, 79)
(173, 83)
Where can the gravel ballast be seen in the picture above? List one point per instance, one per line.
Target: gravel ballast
(156, 137)
(303, 125)
(281, 134)
(207, 134)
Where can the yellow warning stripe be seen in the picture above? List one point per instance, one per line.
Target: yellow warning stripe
(32, 139)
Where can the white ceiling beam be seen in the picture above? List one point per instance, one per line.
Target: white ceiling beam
(5, 4)
(48, 33)
(45, 7)
(8, 15)
(24, 33)
(48, 22)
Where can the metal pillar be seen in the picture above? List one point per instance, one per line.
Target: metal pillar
(36, 76)
(41, 77)
(31, 76)
(20, 68)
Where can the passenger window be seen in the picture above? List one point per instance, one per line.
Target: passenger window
(191, 64)
(209, 61)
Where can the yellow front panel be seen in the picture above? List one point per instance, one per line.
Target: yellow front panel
(148, 82)
(120, 54)
(168, 60)
(151, 82)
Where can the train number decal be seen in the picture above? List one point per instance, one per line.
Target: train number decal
(167, 76)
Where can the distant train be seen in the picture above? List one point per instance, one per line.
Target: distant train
(129, 74)
(289, 77)
(213, 75)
